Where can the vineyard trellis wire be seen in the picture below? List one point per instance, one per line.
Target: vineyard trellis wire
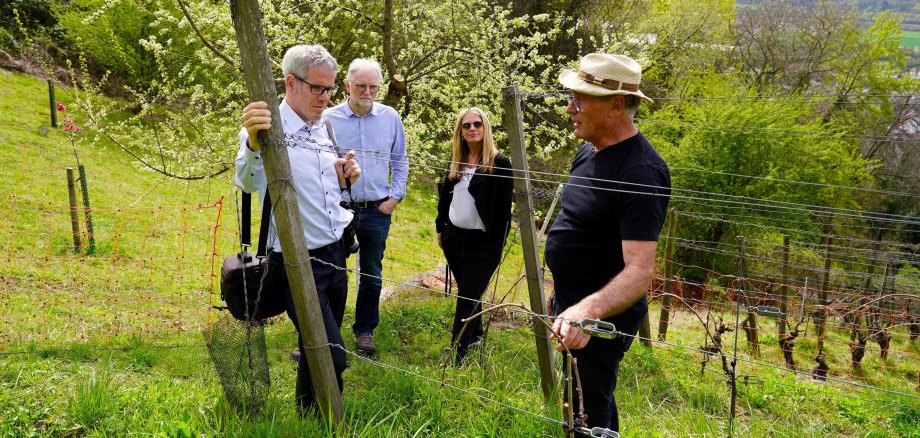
(51, 255)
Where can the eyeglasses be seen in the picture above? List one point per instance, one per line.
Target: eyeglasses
(577, 102)
(318, 89)
(364, 87)
(469, 125)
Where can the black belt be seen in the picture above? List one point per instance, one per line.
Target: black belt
(325, 248)
(278, 255)
(369, 204)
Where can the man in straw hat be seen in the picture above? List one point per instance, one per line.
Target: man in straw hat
(601, 249)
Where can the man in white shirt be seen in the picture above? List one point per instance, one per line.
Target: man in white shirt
(317, 176)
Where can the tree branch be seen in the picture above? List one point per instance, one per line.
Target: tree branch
(201, 37)
(223, 169)
(337, 6)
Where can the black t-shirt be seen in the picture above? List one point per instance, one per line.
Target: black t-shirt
(619, 193)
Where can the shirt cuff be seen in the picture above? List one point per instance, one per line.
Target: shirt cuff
(251, 155)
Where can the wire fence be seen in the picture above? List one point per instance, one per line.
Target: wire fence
(155, 270)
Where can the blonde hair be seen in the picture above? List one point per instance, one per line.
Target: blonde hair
(461, 148)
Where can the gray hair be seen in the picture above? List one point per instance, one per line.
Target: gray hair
(299, 58)
(360, 64)
(631, 102)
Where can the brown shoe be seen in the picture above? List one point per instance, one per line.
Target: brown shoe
(366, 344)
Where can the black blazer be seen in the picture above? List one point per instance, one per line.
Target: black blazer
(492, 193)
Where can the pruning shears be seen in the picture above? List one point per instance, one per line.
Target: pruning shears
(598, 432)
(596, 328)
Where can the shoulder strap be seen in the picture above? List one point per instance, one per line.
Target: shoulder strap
(245, 219)
(266, 219)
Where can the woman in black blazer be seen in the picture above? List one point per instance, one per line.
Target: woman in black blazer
(474, 217)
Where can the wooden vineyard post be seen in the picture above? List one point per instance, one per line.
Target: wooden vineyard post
(668, 279)
(74, 215)
(784, 289)
(515, 128)
(256, 67)
(750, 322)
(821, 315)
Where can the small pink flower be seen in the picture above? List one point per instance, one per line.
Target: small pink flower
(60, 106)
(69, 125)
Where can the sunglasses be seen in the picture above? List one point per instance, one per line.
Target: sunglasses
(469, 125)
(577, 102)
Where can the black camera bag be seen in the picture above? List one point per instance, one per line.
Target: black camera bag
(242, 275)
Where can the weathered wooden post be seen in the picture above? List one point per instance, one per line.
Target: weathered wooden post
(668, 279)
(74, 215)
(750, 322)
(784, 289)
(821, 314)
(256, 67)
(515, 127)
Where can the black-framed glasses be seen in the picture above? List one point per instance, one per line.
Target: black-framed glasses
(318, 89)
(364, 87)
(469, 125)
(575, 101)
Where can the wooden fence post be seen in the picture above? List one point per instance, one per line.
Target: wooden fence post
(256, 67)
(74, 216)
(515, 127)
(668, 278)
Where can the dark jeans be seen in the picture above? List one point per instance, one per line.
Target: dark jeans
(472, 258)
(332, 290)
(372, 231)
(599, 367)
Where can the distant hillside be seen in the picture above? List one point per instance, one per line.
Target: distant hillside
(870, 8)
(898, 6)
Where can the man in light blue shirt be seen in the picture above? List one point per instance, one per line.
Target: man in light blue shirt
(375, 132)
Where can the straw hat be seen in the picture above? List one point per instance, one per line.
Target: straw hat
(602, 74)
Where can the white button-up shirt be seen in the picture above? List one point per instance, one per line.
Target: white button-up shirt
(313, 177)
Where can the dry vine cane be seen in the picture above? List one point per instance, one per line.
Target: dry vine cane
(573, 423)
(716, 347)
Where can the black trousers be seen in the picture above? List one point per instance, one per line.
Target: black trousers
(599, 367)
(332, 291)
(472, 258)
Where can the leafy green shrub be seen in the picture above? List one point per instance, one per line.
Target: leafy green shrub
(110, 34)
(25, 20)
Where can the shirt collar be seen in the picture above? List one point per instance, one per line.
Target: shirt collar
(292, 122)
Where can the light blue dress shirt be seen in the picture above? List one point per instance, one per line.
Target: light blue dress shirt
(380, 142)
(313, 176)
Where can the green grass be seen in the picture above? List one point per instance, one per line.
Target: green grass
(111, 344)
(910, 39)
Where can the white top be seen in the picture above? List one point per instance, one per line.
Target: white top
(463, 213)
(313, 177)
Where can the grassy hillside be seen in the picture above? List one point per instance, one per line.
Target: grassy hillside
(111, 344)
(911, 39)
